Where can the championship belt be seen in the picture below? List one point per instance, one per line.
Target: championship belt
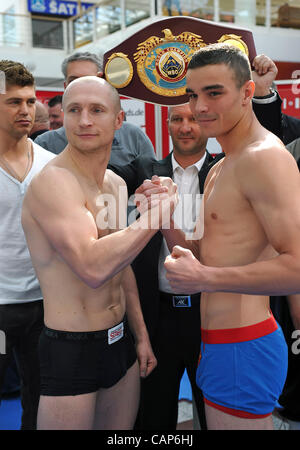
(151, 65)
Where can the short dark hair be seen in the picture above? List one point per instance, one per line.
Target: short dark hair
(16, 74)
(55, 101)
(82, 56)
(230, 55)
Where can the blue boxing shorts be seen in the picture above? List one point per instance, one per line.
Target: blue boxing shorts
(242, 371)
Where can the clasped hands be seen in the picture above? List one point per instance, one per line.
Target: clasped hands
(159, 197)
(181, 265)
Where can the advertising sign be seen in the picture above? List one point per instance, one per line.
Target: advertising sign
(57, 7)
(290, 95)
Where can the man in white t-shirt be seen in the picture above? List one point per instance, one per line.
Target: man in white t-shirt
(21, 306)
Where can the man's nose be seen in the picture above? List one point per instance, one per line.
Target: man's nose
(185, 126)
(85, 119)
(24, 108)
(201, 106)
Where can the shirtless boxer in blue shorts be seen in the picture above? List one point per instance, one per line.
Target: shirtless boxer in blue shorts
(250, 247)
(72, 215)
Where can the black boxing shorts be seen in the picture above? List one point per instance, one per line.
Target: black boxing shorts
(74, 363)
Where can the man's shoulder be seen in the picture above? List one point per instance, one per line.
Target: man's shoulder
(53, 177)
(265, 155)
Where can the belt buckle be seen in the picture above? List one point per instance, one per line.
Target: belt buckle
(181, 301)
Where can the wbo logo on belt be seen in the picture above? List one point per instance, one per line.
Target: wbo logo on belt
(162, 62)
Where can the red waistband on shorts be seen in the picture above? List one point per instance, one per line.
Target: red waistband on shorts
(230, 335)
(236, 412)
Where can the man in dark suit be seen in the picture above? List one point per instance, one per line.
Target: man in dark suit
(173, 321)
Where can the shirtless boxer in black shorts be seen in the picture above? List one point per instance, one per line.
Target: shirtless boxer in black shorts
(72, 216)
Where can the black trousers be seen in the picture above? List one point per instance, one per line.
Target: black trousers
(176, 346)
(22, 324)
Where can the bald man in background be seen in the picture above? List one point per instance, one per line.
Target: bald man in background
(89, 369)
(41, 122)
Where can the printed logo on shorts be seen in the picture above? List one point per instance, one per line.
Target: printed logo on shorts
(115, 333)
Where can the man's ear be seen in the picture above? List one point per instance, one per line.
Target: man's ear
(100, 74)
(248, 91)
(120, 119)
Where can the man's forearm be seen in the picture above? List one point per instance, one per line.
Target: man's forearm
(146, 358)
(133, 307)
(175, 236)
(107, 256)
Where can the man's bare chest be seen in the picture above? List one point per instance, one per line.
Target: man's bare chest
(230, 222)
(223, 198)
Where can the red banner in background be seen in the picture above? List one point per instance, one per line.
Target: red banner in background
(290, 95)
(44, 96)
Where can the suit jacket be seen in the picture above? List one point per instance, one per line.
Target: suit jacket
(270, 115)
(145, 265)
